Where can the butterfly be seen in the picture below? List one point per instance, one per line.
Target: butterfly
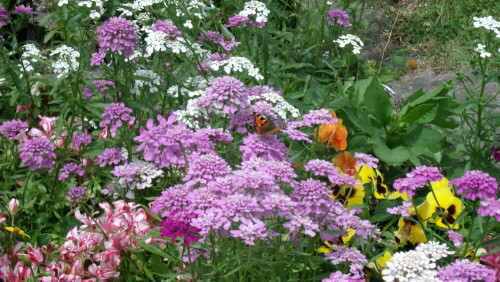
(264, 127)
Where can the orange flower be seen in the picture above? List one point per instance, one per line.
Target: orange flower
(345, 162)
(333, 134)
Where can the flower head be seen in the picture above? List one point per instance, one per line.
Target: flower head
(476, 184)
(490, 207)
(70, 168)
(117, 34)
(337, 16)
(76, 195)
(366, 159)
(167, 27)
(111, 156)
(226, 94)
(13, 128)
(178, 224)
(352, 40)
(113, 116)
(464, 270)
(38, 153)
(266, 147)
(333, 134)
(22, 9)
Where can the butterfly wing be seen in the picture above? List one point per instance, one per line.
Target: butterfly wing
(263, 127)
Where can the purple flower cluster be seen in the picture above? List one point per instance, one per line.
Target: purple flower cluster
(111, 156)
(318, 117)
(22, 9)
(166, 26)
(79, 140)
(267, 147)
(352, 256)
(70, 168)
(402, 210)
(366, 159)
(113, 116)
(224, 93)
(455, 237)
(104, 85)
(490, 207)
(115, 34)
(38, 153)
(178, 224)
(76, 195)
(325, 168)
(238, 21)
(476, 184)
(465, 270)
(3, 16)
(341, 277)
(416, 179)
(337, 16)
(214, 36)
(13, 128)
(204, 168)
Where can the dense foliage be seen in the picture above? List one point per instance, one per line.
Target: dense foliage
(239, 140)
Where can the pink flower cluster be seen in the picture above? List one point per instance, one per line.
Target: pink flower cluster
(92, 252)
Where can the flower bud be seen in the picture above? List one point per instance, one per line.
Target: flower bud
(13, 206)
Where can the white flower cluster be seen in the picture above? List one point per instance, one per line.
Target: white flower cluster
(142, 178)
(416, 265)
(237, 64)
(67, 60)
(155, 41)
(280, 106)
(482, 52)
(191, 114)
(152, 81)
(197, 82)
(182, 46)
(96, 8)
(488, 23)
(29, 57)
(257, 9)
(136, 6)
(195, 8)
(62, 3)
(350, 39)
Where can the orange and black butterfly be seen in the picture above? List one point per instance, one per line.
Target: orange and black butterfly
(263, 127)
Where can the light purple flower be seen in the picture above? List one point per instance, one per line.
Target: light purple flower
(117, 34)
(352, 256)
(12, 128)
(293, 133)
(3, 16)
(238, 206)
(38, 153)
(126, 172)
(409, 185)
(97, 59)
(476, 184)
(104, 85)
(237, 20)
(250, 230)
(171, 200)
(79, 140)
(76, 195)
(70, 168)
(113, 116)
(22, 9)
(366, 159)
(204, 168)
(341, 277)
(166, 26)
(267, 147)
(217, 57)
(338, 16)
(224, 93)
(490, 207)
(428, 173)
(320, 116)
(325, 168)
(464, 270)
(281, 171)
(455, 237)
(401, 210)
(298, 222)
(111, 156)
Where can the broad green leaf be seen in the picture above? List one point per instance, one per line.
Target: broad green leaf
(395, 156)
(421, 114)
(377, 101)
(423, 137)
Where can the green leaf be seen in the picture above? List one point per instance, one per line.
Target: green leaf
(422, 139)
(377, 101)
(421, 114)
(394, 156)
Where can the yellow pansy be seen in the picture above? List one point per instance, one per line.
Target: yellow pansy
(382, 261)
(443, 183)
(348, 195)
(370, 175)
(447, 206)
(326, 248)
(17, 231)
(410, 230)
(396, 194)
(350, 233)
